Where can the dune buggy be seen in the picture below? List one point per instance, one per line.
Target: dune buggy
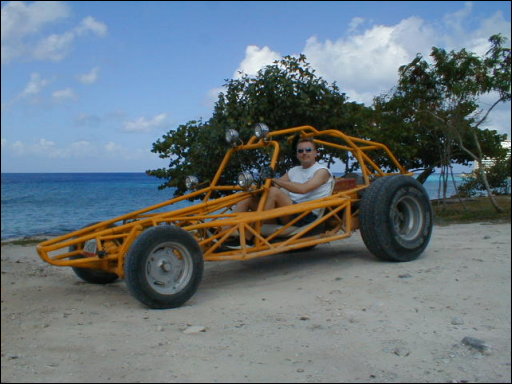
(160, 251)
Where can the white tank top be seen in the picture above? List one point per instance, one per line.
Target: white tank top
(302, 175)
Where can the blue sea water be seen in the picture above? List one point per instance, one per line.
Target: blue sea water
(36, 204)
(57, 203)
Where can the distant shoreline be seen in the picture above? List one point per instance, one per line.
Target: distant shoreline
(69, 174)
(61, 198)
(35, 239)
(107, 172)
(27, 240)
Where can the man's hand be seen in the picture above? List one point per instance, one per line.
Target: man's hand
(267, 173)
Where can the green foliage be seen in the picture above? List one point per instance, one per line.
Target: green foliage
(285, 94)
(192, 149)
(498, 176)
(432, 117)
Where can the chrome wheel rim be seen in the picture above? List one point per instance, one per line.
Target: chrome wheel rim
(407, 218)
(169, 268)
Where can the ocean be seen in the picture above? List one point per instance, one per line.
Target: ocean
(48, 204)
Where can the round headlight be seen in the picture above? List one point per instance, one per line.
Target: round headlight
(232, 137)
(245, 179)
(261, 130)
(191, 182)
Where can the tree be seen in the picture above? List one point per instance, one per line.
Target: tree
(440, 103)
(498, 178)
(285, 94)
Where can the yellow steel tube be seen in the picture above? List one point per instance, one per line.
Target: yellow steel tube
(277, 248)
(203, 215)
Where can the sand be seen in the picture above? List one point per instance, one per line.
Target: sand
(332, 314)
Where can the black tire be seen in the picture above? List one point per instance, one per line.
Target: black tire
(396, 218)
(89, 275)
(94, 276)
(163, 267)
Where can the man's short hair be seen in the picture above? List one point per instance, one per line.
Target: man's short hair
(306, 140)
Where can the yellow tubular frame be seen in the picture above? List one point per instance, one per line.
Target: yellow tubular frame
(211, 222)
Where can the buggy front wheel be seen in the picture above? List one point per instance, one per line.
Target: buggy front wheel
(163, 267)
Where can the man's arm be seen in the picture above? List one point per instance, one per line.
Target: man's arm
(320, 177)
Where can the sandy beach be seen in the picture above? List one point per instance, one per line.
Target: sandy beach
(333, 314)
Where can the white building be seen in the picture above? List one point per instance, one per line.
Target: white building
(488, 162)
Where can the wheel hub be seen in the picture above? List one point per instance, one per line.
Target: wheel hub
(168, 268)
(407, 218)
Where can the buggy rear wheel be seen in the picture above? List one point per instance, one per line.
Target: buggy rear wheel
(396, 218)
(164, 267)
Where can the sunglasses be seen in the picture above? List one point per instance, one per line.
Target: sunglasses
(305, 149)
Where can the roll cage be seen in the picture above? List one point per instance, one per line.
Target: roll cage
(212, 222)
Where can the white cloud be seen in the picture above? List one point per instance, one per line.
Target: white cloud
(89, 24)
(366, 64)
(64, 94)
(85, 119)
(455, 20)
(23, 25)
(44, 148)
(496, 23)
(355, 23)
(46, 155)
(499, 119)
(21, 20)
(255, 59)
(145, 125)
(119, 151)
(457, 34)
(34, 86)
(81, 148)
(18, 148)
(48, 147)
(113, 147)
(213, 96)
(90, 77)
(54, 47)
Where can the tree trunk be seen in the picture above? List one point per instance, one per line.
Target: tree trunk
(488, 188)
(423, 176)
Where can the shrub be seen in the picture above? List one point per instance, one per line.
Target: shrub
(498, 176)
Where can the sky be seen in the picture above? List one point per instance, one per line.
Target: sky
(89, 86)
